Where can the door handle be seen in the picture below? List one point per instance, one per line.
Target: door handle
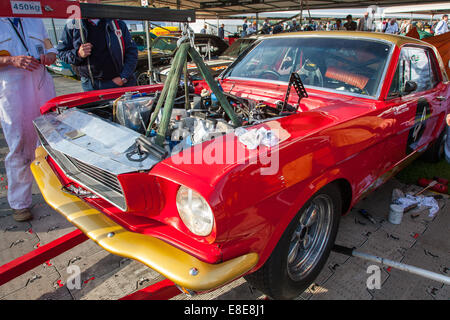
(441, 98)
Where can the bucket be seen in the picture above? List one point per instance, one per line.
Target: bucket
(395, 214)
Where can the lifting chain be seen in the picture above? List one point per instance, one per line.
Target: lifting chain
(186, 34)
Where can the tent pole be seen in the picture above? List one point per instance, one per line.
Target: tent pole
(301, 12)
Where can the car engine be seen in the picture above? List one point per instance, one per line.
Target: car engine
(203, 119)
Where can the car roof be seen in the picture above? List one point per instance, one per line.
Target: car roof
(395, 39)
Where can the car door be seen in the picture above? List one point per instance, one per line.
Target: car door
(429, 95)
(415, 112)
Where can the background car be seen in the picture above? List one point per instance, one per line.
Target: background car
(165, 47)
(62, 68)
(140, 38)
(218, 65)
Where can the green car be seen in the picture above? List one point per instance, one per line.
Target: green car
(141, 39)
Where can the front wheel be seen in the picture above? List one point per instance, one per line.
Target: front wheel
(303, 248)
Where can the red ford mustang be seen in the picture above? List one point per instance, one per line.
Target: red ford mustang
(318, 120)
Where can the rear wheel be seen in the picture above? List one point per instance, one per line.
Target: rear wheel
(435, 152)
(303, 248)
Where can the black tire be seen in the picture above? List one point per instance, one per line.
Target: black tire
(435, 151)
(142, 79)
(276, 278)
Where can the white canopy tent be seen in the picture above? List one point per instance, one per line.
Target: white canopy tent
(430, 9)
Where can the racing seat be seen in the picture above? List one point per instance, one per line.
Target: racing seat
(356, 80)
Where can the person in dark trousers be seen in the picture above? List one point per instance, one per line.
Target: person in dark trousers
(266, 28)
(107, 58)
(244, 28)
(221, 33)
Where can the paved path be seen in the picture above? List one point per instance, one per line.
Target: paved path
(421, 241)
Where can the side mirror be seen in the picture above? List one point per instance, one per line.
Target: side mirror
(410, 86)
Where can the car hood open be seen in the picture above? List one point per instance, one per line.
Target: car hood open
(91, 140)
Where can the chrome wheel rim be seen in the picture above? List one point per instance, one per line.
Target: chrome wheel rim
(143, 79)
(309, 239)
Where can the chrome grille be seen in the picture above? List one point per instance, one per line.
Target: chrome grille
(99, 181)
(108, 179)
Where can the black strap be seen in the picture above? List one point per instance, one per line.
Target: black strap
(19, 35)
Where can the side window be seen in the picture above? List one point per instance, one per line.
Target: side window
(402, 74)
(415, 64)
(420, 68)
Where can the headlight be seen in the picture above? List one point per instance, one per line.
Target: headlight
(194, 211)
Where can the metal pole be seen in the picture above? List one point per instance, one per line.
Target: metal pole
(54, 32)
(397, 265)
(149, 45)
(309, 12)
(178, 8)
(209, 49)
(43, 253)
(217, 25)
(186, 86)
(83, 41)
(301, 13)
(149, 53)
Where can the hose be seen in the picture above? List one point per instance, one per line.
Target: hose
(115, 107)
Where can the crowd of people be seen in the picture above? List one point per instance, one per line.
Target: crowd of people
(365, 23)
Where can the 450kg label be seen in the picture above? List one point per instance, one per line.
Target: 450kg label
(26, 7)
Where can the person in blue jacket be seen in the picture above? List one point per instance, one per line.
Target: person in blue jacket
(102, 50)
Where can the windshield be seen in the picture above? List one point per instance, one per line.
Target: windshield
(237, 47)
(165, 43)
(349, 65)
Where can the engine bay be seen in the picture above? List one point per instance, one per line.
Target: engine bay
(199, 120)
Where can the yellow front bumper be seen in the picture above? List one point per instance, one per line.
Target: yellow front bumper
(169, 261)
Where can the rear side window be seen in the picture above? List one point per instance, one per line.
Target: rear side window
(418, 65)
(402, 74)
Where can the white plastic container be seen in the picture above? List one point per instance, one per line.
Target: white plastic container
(395, 214)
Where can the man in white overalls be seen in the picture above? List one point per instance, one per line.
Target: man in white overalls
(25, 85)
